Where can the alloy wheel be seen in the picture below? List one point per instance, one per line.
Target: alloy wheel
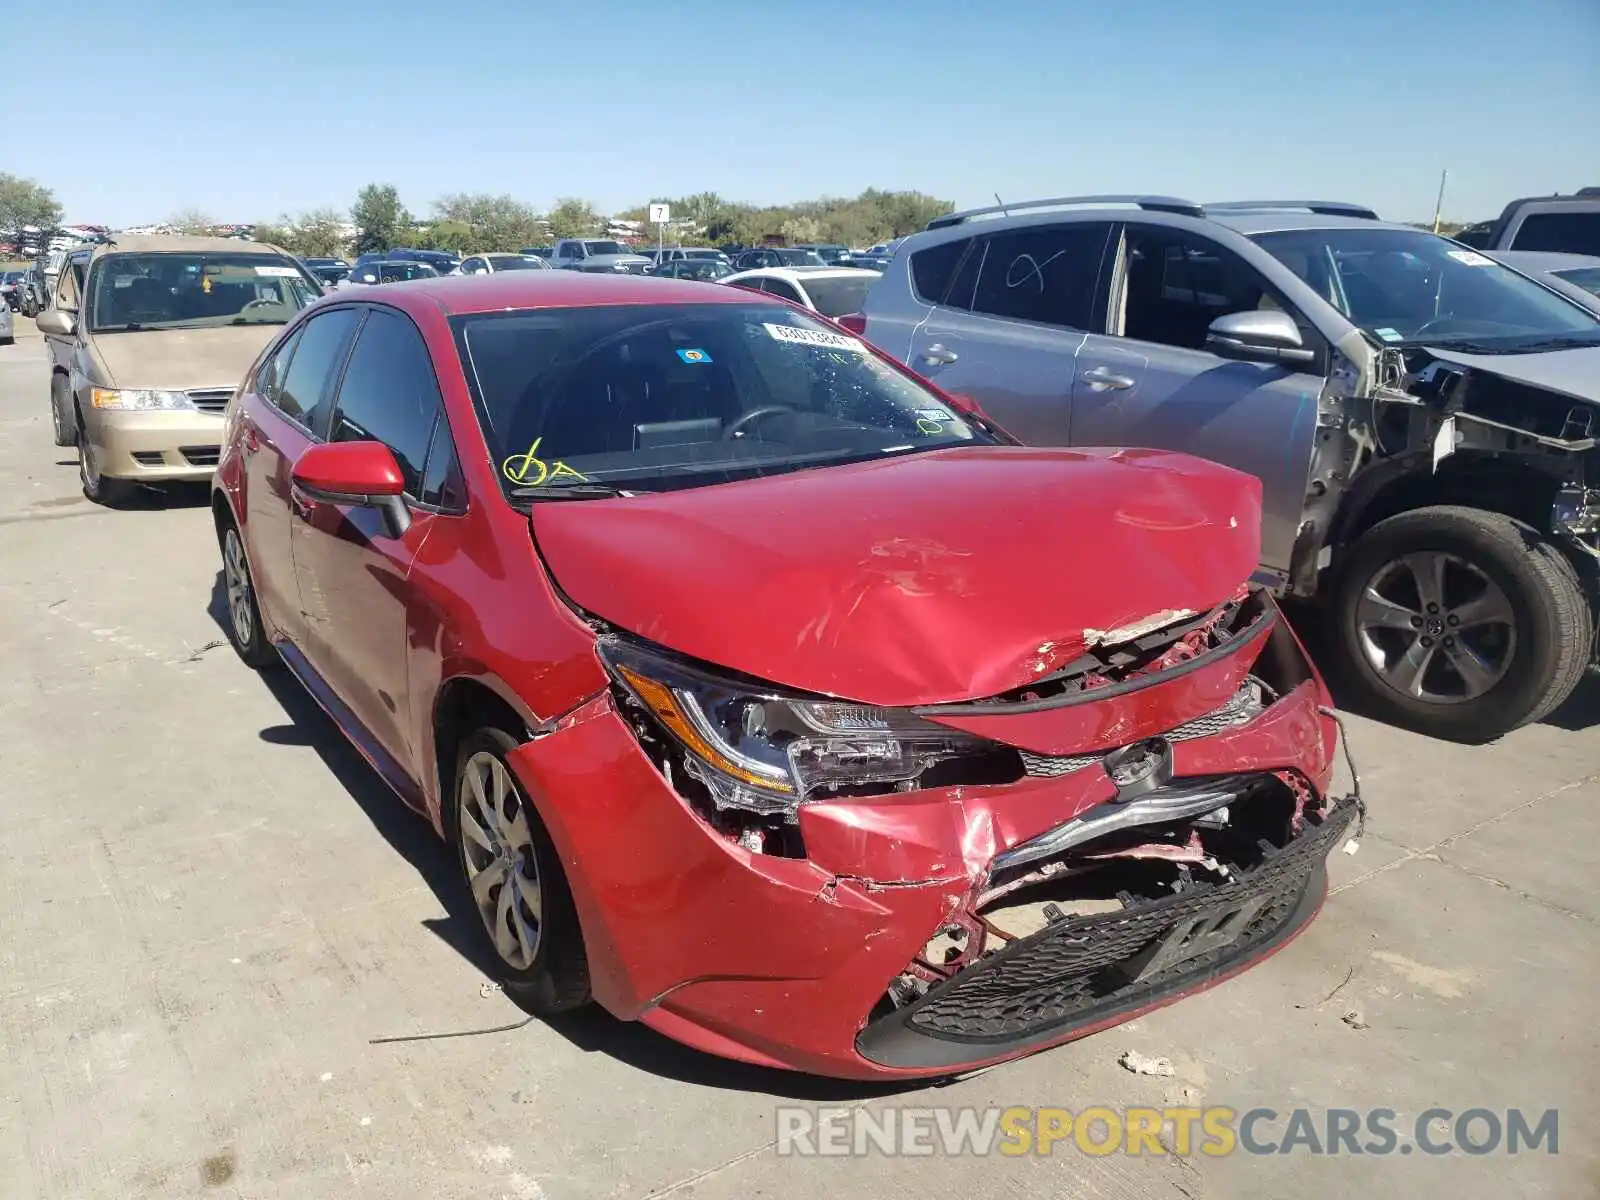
(236, 579)
(497, 850)
(1436, 628)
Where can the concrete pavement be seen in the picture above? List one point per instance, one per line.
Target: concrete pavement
(210, 908)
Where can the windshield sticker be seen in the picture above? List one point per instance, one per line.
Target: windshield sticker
(1389, 335)
(536, 472)
(694, 356)
(1470, 258)
(936, 414)
(278, 272)
(820, 339)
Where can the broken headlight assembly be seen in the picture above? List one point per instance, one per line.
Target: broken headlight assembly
(762, 749)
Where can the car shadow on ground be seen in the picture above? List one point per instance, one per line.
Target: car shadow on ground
(592, 1030)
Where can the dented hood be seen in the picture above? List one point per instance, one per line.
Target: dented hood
(1572, 373)
(952, 575)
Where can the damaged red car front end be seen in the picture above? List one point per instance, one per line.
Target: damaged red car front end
(894, 781)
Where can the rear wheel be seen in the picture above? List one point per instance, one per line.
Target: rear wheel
(245, 630)
(1460, 623)
(515, 881)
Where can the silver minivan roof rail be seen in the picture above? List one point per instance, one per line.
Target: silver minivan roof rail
(1169, 204)
(1323, 208)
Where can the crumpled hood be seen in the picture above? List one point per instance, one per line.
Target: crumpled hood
(1574, 373)
(952, 575)
(180, 359)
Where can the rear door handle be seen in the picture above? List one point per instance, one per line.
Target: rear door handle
(1107, 378)
(939, 355)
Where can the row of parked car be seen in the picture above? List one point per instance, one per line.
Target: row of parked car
(956, 610)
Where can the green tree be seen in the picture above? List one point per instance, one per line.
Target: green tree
(492, 222)
(320, 233)
(191, 221)
(573, 218)
(24, 202)
(380, 219)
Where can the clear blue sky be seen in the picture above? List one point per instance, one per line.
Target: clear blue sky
(297, 104)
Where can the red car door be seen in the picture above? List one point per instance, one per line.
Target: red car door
(280, 419)
(353, 575)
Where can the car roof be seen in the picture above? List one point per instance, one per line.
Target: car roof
(461, 295)
(178, 244)
(800, 274)
(1249, 223)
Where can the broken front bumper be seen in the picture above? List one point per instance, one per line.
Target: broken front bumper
(788, 962)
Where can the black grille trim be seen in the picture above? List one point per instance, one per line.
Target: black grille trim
(211, 400)
(1041, 988)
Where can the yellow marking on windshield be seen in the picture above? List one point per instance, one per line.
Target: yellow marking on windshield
(519, 467)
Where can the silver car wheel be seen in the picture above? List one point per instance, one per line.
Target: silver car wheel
(236, 578)
(497, 849)
(1436, 628)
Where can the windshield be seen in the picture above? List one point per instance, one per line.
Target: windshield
(799, 258)
(672, 396)
(396, 272)
(1410, 287)
(714, 255)
(193, 291)
(701, 268)
(517, 262)
(1588, 278)
(834, 297)
(607, 248)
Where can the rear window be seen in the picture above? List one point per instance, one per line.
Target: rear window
(1572, 232)
(517, 262)
(933, 269)
(841, 295)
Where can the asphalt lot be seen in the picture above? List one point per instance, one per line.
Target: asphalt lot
(211, 907)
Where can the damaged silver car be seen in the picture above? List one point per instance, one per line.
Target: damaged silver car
(1424, 421)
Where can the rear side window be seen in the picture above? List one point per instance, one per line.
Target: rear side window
(934, 269)
(1048, 274)
(269, 380)
(1572, 232)
(306, 385)
(389, 394)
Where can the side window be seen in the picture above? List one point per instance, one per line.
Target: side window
(269, 379)
(442, 484)
(778, 287)
(472, 266)
(389, 393)
(1177, 284)
(69, 287)
(1047, 273)
(308, 381)
(933, 270)
(1572, 232)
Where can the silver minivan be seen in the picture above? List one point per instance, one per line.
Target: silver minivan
(1424, 420)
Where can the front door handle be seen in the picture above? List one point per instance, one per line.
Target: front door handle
(1107, 378)
(939, 355)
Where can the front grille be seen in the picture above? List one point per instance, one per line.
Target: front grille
(211, 400)
(1078, 971)
(201, 456)
(1242, 708)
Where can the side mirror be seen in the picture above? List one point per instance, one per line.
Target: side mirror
(358, 474)
(1258, 336)
(58, 322)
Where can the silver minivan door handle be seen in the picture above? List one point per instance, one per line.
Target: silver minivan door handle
(939, 355)
(1107, 378)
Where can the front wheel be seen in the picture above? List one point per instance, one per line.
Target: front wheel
(1459, 623)
(515, 881)
(64, 430)
(97, 487)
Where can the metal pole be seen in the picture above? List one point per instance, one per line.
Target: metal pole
(1438, 208)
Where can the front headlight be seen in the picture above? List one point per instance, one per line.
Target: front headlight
(766, 750)
(126, 400)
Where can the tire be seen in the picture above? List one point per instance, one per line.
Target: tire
(97, 487)
(556, 980)
(65, 434)
(1522, 663)
(246, 633)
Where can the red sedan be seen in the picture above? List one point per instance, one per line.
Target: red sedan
(766, 694)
